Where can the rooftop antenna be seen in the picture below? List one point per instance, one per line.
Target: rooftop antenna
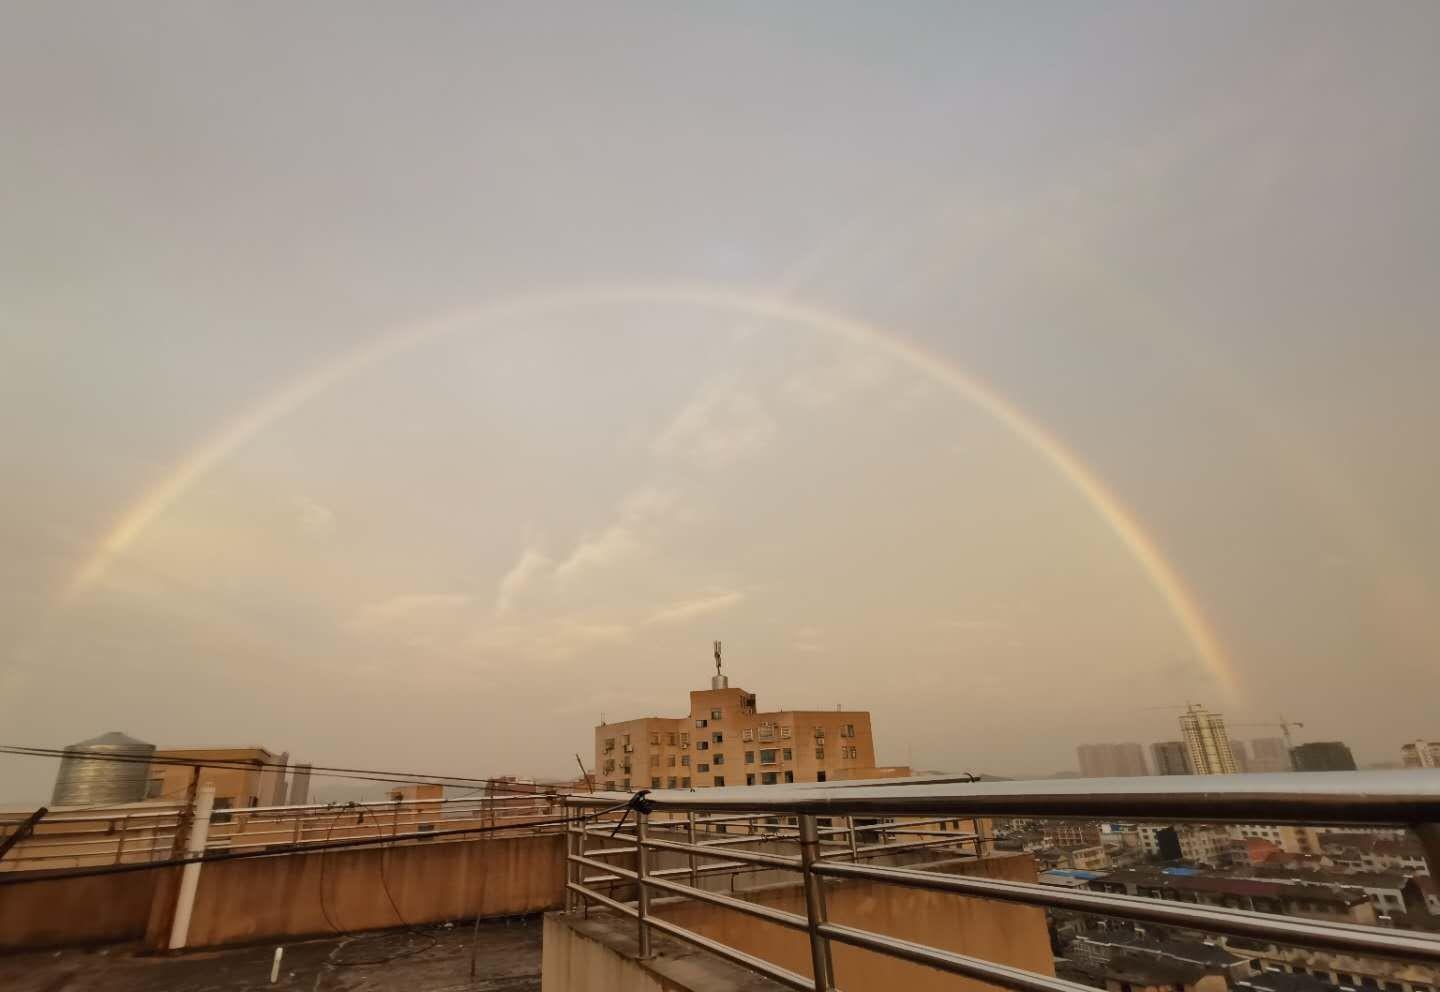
(719, 681)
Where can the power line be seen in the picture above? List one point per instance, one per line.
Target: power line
(277, 850)
(325, 771)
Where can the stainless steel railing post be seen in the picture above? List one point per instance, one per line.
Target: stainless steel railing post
(642, 891)
(571, 875)
(820, 961)
(1429, 835)
(854, 847)
(694, 874)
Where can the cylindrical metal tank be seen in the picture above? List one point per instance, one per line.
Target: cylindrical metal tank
(89, 776)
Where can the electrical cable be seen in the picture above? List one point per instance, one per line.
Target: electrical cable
(30, 877)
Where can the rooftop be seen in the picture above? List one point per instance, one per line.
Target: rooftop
(507, 956)
(1235, 885)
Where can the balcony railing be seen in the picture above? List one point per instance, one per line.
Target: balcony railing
(1384, 799)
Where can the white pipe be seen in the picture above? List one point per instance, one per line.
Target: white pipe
(190, 874)
(275, 968)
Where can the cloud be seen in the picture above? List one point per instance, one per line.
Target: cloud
(530, 567)
(315, 520)
(555, 639)
(610, 546)
(718, 427)
(808, 640)
(406, 609)
(973, 623)
(698, 607)
(822, 385)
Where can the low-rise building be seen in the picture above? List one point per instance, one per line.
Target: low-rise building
(242, 776)
(1317, 902)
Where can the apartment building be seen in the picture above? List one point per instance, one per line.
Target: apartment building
(1111, 760)
(1207, 743)
(1420, 754)
(726, 740)
(1170, 758)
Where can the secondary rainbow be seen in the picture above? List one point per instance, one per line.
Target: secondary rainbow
(285, 401)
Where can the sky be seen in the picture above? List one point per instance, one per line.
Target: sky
(414, 386)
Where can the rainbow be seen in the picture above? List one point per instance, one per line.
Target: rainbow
(285, 401)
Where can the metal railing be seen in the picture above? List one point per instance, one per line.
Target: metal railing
(130, 833)
(1382, 799)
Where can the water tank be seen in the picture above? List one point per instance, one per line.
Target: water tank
(87, 776)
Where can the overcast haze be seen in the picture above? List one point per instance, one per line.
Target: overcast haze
(1195, 245)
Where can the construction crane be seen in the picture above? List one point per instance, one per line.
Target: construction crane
(1283, 725)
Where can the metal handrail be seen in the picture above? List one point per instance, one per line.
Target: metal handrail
(1398, 798)
(1385, 799)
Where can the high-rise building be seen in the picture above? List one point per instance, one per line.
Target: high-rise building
(1111, 760)
(1322, 756)
(1268, 754)
(724, 740)
(1207, 744)
(1421, 754)
(1169, 758)
(1241, 756)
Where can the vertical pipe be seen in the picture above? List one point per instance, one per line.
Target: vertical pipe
(190, 874)
(1429, 834)
(854, 847)
(120, 847)
(824, 968)
(694, 874)
(642, 890)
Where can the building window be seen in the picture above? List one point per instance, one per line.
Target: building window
(221, 803)
(714, 714)
(655, 740)
(670, 761)
(748, 734)
(719, 781)
(685, 760)
(767, 755)
(819, 733)
(789, 776)
(784, 733)
(701, 724)
(654, 783)
(819, 754)
(788, 754)
(684, 738)
(820, 775)
(685, 782)
(769, 778)
(718, 737)
(848, 730)
(750, 778)
(749, 757)
(670, 739)
(767, 731)
(702, 745)
(702, 769)
(609, 744)
(719, 759)
(627, 740)
(670, 782)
